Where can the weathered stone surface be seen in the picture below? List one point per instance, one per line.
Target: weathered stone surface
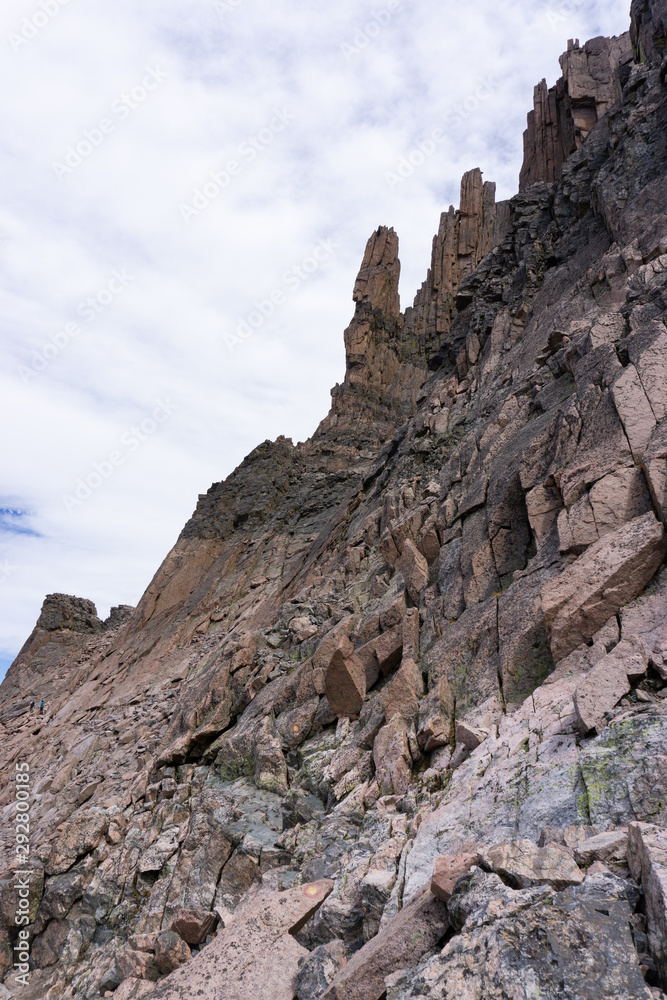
(391, 754)
(467, 655)
(613, 501)
(650, 359)
(253, 749)
(609, 574)
(600, 691)
(529, 943)
(450, 579)
(647, 855)
(543, 505)
(388, 648)
(401, 698)
(464, 427)
(435, 717)
(75, 838)
(524, 651)
(414, 569)
(394, 613)
(337, 638)
(611, 846)
(345, 684)
(171, 951)
(401, 942)
(60, 611)
(318, 971)
(522, 865)
(564, 115)
(377, 282)
(447, 871)
(634, 410)
(469, 737)
(136, 965)
(194, 926)
(256, 957)
(132, 989)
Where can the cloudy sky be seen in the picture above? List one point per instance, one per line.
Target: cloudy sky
(187, 189)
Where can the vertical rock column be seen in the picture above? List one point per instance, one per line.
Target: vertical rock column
(464, 238)
(564, 115)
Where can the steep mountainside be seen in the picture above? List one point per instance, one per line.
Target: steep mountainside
(391, 719)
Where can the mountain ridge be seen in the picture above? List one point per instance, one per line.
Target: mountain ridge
(397, 694)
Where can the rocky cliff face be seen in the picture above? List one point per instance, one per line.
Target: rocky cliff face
(391, 718)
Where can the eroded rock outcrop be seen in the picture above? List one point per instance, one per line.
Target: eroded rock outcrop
(425, 649)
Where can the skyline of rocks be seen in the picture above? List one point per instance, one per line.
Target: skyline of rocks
(391, 718)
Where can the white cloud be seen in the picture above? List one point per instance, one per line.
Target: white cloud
(320, 177)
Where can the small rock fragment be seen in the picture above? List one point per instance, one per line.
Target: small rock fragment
(194, 926)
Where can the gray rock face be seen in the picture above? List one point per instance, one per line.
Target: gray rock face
(523, 865)
(535, 942)
(433, 635)
(647, 854)
(317, 972)
(61, 611)
(401, 942)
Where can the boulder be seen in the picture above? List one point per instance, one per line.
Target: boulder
(389, 648)
(337, 638)
(469, 737)
(521, 864)
(414, 568)
(609, 574)
(318, 971)
(416, 929)
(612, 846)
(429, 546)
(435, 717)
(345, 684)
(136, 965)
(600, 691)
(194, 926)
(393, 613)
(447, 871)
(401, 698)
(171, 952)
(256, 957)
(391, 755)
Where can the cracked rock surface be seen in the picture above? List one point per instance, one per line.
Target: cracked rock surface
(391, 718)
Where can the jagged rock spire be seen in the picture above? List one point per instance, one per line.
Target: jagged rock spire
(564, 115)
(377, 281)
(464, 237)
